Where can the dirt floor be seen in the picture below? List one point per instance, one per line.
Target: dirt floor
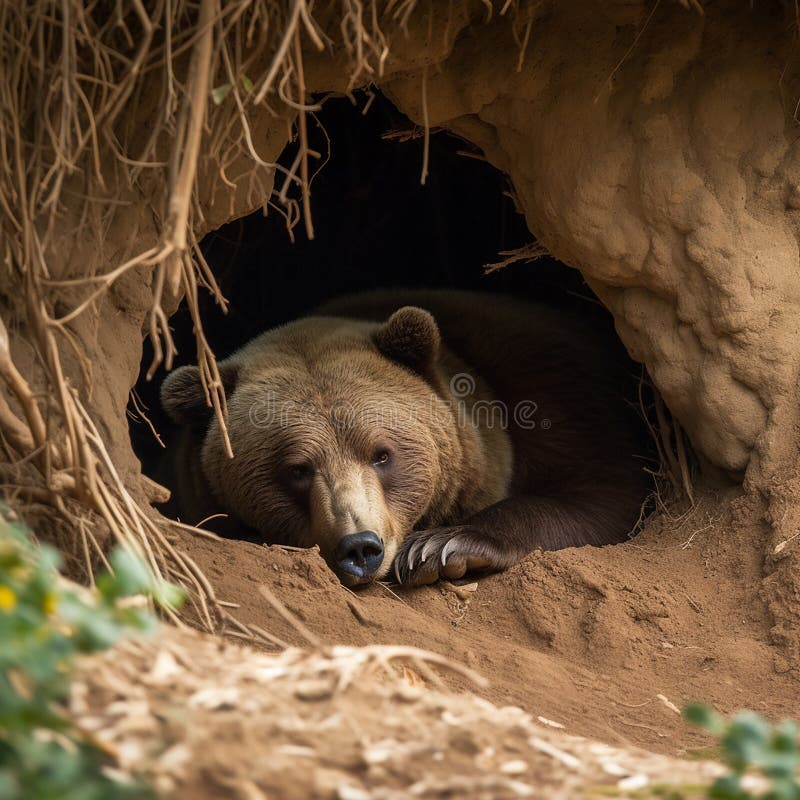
(198, 718)
(607, 642)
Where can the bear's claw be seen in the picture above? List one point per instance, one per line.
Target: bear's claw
(425, 556)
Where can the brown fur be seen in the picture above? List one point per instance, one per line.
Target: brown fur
(460, 491)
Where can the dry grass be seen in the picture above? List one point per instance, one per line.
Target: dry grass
(675, 456)
(525, 255)
(673, 495)
(195, 716)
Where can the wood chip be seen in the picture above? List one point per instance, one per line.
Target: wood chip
(515, 767)
(669, 704)
(313, 690)
(464, 592)
(550, 723)
(633, 782)
(551, 750)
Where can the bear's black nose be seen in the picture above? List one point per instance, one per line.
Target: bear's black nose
(359, 554)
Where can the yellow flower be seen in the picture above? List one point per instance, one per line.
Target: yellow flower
(8, 600)
(49, 603)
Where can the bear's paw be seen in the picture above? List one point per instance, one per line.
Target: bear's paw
(451, 552)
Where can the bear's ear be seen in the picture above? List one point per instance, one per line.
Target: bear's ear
(182, 395)
(410, 337)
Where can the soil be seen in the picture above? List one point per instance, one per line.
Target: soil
(608, 642)
(198, 718)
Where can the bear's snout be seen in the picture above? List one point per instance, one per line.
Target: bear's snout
(358, 557)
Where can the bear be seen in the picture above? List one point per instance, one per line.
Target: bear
(414, 435)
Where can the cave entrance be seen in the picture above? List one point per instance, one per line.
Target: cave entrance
(376, 227)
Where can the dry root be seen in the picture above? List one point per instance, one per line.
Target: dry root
(674, 473)
(525, 254)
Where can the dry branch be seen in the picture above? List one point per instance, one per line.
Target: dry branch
(525, 254)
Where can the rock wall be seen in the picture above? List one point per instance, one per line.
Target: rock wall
(665, 165)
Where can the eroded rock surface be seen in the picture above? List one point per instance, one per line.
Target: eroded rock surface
(665, 166)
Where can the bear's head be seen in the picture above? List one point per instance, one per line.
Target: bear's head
(342, 433)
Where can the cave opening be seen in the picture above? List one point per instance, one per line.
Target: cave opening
(376, 227)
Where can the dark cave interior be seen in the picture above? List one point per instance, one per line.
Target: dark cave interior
(375, 226)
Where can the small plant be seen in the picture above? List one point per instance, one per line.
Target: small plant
(44, 625)
(749, 743)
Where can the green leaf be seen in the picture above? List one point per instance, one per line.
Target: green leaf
(9, 788)
(132, 574)
(785, 736)
(42, 628)
(783, 789)
(219, 93)
(727, 788)
(168, 595)
(746, 741)
(130, 577)
(705, 717)
(247, 84)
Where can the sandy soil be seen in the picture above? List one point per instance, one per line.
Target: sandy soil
(606, 642)
(200, 719)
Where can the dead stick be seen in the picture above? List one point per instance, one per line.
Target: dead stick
(16, 431)
(311, 638)
(22, 391)
(197, 98)
(684, 465)
(303, 130)
(663, 429)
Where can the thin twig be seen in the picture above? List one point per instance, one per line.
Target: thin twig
(292, 619)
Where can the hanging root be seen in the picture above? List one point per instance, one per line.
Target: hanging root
(674, 474)
(525, 254)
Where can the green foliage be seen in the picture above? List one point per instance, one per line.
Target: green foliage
(748, 742)
(219, 93)
(43, 626)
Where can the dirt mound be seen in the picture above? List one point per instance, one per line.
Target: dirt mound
(606, 642)
(201, 719)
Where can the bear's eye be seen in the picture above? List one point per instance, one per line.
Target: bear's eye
(381, 458)
(301, 473)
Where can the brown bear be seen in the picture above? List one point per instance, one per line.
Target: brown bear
(435, 432)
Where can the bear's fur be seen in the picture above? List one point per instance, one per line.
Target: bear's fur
(465, 430)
